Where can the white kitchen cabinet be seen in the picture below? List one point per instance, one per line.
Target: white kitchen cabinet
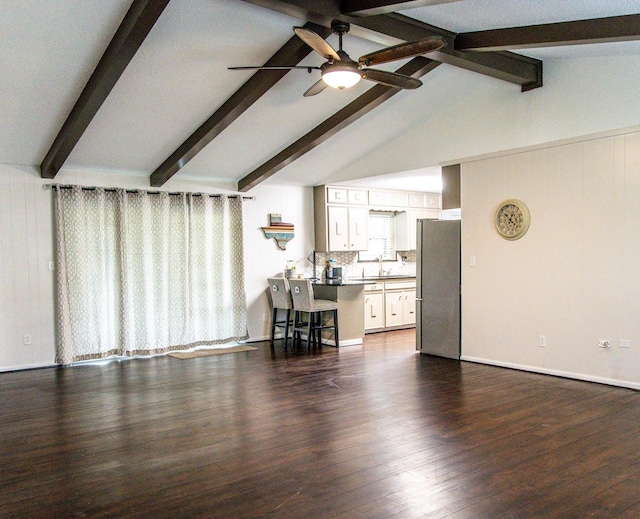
(390, 305)
(394, 313)
(434, 201)
(341, 219)
(338, 228)
(406, 227)
(358, 228)
(358, 196)
(386, 198)
(339, 195)
(409, 306)
(347, 228)
(400, 303)
(418, 200)
(341, 216)
(373, 310)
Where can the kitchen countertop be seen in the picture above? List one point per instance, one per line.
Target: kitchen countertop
(360, 281)
(339, 282)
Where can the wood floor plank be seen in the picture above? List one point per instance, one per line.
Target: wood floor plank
(376, 431)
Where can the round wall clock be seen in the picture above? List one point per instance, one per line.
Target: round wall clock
(512, 219)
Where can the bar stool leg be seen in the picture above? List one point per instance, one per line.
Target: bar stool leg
(274, 317)
(295, 334)
(335, 324)
(309, 328)
(286, 328)
(319, 323)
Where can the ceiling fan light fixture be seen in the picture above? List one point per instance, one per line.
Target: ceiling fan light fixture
(341, 78)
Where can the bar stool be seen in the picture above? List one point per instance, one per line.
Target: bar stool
(304, 301)
(281, 299)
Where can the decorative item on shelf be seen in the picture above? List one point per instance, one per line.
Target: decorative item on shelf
(280, 231)
(290, 269)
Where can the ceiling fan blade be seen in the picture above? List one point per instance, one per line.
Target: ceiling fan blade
(269, 67)
(390, 78)
(317, 43)
(402, 51)
(316, 88)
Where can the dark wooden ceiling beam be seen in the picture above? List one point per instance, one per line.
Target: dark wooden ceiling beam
(507, 66)
(597, 30)
(371, 7)
(291, 53)
(133, 30)
(514, 68)
(372, 98)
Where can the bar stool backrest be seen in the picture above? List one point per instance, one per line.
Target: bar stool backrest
(280, 293)
(302, 295)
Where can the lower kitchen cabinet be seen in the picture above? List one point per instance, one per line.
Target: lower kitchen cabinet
(373, 310)
(390, 305)
(409, 306)
(400, 307)
(394, 314)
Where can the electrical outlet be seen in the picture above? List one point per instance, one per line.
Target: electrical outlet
(604, 343)
(542, 341)
(26, 339)
(264, 318)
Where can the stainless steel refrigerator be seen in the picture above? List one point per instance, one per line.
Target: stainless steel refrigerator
(438, 288)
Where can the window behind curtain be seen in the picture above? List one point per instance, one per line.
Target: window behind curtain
(145, 273)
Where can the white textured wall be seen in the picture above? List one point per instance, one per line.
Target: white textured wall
(574, 277)
(26, 284)
(262, 257)
(26, 247)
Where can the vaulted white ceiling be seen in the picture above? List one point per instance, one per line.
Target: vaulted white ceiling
(179, 77)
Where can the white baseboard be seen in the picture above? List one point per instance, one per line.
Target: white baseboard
(555, 373)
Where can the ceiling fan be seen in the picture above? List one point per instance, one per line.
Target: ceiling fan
(340, 71)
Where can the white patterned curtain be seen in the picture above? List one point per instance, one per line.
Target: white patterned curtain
(141, 273)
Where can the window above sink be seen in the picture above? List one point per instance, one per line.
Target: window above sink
(382, 237)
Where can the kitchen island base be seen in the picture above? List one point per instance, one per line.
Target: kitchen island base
(350, 299)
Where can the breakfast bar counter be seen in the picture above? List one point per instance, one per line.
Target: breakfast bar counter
(349, 294)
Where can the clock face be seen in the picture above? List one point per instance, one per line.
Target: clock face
(512, 219)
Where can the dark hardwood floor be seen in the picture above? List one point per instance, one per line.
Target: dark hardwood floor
(368, 432)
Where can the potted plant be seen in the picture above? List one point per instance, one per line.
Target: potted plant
(290, 269)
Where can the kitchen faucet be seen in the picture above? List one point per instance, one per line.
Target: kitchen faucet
(381, 272)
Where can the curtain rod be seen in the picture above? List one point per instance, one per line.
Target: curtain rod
(113, 190)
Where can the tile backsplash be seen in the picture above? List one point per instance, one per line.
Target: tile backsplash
(351, 268)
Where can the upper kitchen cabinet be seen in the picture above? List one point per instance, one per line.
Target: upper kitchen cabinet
(386, 199)
(424, 200)
(341, 219)
(342, 216)
(407, 228)
(347, 228)
(421, 205)
(338, 195)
